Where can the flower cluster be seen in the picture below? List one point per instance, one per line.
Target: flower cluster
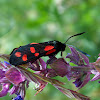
(15, 79)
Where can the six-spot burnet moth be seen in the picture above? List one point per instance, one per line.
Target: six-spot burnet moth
(33, 51)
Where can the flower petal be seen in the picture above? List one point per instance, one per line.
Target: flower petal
(74, 53)
(51, 73)
(4, 80)
(14, 76)
(4, 90)
(96, 77)
(13, 90)
(34, 65)
(2, 73)
(97, 64)
(85, 58)
(86, 80)
(77, 82)
(43, 64)
(60, 66)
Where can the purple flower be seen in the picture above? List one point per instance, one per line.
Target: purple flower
(60, 67)
(83, 80)
(14, 76)
(81, 71)
(5, 88)
(77, 57)
(78, 82)
(9, 75)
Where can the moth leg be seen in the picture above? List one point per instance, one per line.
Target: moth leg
(51, 60)
(61, 53)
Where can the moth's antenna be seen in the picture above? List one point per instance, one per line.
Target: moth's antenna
(74, 35)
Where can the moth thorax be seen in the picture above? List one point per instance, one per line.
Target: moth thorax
(63, 47)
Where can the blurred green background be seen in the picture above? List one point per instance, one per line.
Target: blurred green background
(26, 21)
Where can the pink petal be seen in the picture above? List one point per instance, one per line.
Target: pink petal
(60, 66)
(4, 90)
(14, 76)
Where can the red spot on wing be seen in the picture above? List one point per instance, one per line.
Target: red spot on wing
(49, 47)
(51, 51)
(24, 57)
(32, 49)
(18, 54)
(34, 43)
(36, 54)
